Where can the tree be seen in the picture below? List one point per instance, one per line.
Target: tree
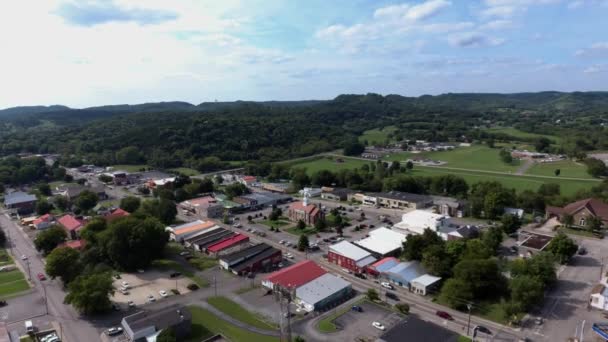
(86, 200)
(50, 238)
(562, 247)
(320, 225)
(299, 339)
(301, 225)
(568, 220)
(436, 261)
(415, 245)
(167, 335)
(526, 291)
(492, 238)
(2, 238)
(557, 172)
(542, 144)
(505, 156)
(593, 224)
(510, 223)
(44, 189)
(130, 203)
(105, 178)
(455, 249)
(43, 207)
(540, 265)
(235, 189)
(63, 262)
(404, 308)
(456, 293)
(128, 155)
(61, 202)
(596, 167)
(372, 295)
(340, 230)
(409, 166)
(477, 249)
(303, 243)
(163, 209)
(90, 294)
(483, 276)
(549, 189)
(353, 148)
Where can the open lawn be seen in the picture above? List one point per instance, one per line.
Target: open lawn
(186, 171)
(165, 264)
(295, 231)
(476, 157)
(377, 136)
(12, 282)
(568, 169)
(328, 163)
(277, 223)
(129, 168)
(205, 324)
(5, 258)
(521, 134)
(238, 312)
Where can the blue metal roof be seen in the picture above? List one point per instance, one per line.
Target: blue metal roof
(18, 197)
(387, 265)
(406, 271)
(601, 329)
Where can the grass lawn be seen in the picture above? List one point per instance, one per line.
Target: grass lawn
(476, 157)
(236, 311)
(327, 325)
(277, 223)
(580, 232)
(377, 135)
(12, 282)
(129, 168)
(295, 231)
(205, 324)
(165, 264)
(399, 156)
(328, 163)
(521, 134)
(186, 171)
(567, 168)
(463, 339)
(5, 258)
(26, 338)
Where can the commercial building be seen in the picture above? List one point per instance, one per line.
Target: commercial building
(309, 213)
(424, 284)
(382, 242)
(252, 259)
(323, 292)
(464, 232)
(383, 265)
(402, 200)
(349, 256)
(73, 190)
(448, 206)
(335, 194)
(184, 231)
(311, 192)
(415, 222)
(294, 276)
(19, 201)
(403, 273)
(259, 200)
(418, 330)
(145, 325)
(227, 243)
(282, 188)
(209, 237)
(203, 207)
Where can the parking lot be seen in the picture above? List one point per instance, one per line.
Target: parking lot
(355, 325)
(149, 283)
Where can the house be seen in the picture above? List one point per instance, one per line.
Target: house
(247, 180)
(401, 200)
(252, 259)
(403, 273)
(293, 276)
(424, 284)
(581, 211)
(116, 214)
(415, 222)
(146, 325)
(22, 202)
(259, 200)
(44, 221)
(72, 225)
(74, 244)
(309, 213)
(323, 292)
(72, 190)
(515, 212)
(227, 243)
(312, 192)
(183, 231)
(350, 257)
(382, 242)
(118, 177)
(154, 183)
(464, 232)
(206, 206)
(335, 194)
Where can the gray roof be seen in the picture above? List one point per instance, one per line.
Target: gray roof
(17, 197)
(403, 196)
(245, 253)
(418, 330)
(258, 257)
(321, 288)
(265, 197)
(160, 319)
(349, 250)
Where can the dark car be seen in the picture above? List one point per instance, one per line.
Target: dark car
(392, 296)
(360, 276)
(357, 308)
(582, 250)
(3, 303)
(483, 329)
(175, 275)
(444, 315)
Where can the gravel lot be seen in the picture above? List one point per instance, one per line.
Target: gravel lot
(141, 285)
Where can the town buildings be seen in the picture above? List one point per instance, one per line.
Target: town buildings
(309, 213)
(72, 225)
(581, 211)
(382, 242)
(203, 207)
(146, 325)
(186, 230)
(21, 202)
(252, 259)
(415, 222)
(323, 292)
(350, 257)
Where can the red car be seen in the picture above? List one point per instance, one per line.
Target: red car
(445, 315)
(41, 276)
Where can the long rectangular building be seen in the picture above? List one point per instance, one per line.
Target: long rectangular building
(251, 259)
(349, 256)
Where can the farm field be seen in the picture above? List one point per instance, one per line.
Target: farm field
(324, 163)
(476, 157)
(377, 135)
(568, 169)
(521, 134)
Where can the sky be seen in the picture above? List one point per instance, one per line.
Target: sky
(86, 53)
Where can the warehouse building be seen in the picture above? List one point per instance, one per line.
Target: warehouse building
(350, 257)
(403, 273)
(227, 243)
(207, 238)
(294, 276)
(186, 230)
(252, 259)
(323, 292)
(382, 242)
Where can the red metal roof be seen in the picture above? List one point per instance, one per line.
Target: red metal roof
(117, 213)
(296, 275)
(382, 261)
(43, 218)
(70, 223)
(227, 243)
(75, 244)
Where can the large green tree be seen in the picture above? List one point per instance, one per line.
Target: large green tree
(90, 293)
(526, 291)
(303, 243)
(86, 200)
(482, 275)
(563, 247)
(63, 262)
(49, 238)
(436, 261)
(130, 203)
(456, 293)
(415, 245)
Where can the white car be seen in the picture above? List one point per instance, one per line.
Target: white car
(282, 242)
(24, 257)
(289, 256)
(378, 325)
(125, 284)
(151, 298)
(131, 304)
(114, 331)
(237, 225)
(386, 285)
(163, 293)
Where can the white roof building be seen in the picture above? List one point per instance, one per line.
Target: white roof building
(321, 291)
(382, 241)
(422, 284)
(418, 220)
(346, 249)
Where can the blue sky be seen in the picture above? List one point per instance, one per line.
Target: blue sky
(85, 53)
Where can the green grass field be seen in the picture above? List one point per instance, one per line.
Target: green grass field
(476, 157)
(12, 282)
(277, 223)
(186, 171)
(568, 169)
(377, 135)
(238, 312)
(205, 324)
(165, 264)
(521, 134)
(326, 163)
(129, 168)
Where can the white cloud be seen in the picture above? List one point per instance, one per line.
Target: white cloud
(473, 39)
(596, 69)
(392, 12)
(509, 8)
(599, 49)
(499, 24)
(426, 9)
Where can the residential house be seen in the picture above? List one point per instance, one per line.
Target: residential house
(72, 190)
(21, 202)
(74, 244)
(464, 232)
(350, 257)
(581, 211)
(72, 225)
(247, 180)
(309, 213)
(44, 221)
(515, 212)
(146, 325)
(115, 214)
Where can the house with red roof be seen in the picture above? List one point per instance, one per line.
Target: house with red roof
(72, 225)
(44, 221)
(309, 213)
(581, 211)
(294, 276)
(247, 180)
(74, 244)
(116, 214)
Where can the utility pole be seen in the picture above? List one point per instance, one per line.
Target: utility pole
(46, 303)
(29, 272)
(469, 306)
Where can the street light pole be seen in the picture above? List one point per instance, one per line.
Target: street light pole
(29, 272)
(469, 320)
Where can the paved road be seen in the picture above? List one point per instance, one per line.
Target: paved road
(75, 327)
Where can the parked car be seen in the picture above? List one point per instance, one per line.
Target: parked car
(360, 276)
(184, 253)
(386, 285)
(289, 256)
(117, 276)
(124, 284)
(444, 315)
(357, 308)
(151, 298)
(41, 276)
(131, 304)
(24, 257)
(174, 275)
(3, 303)
(163, 293)
(282, 242)
(378, 325)
(582, 250)
(483, 329)
(392, 296)
(124, 291)
(114, 331)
